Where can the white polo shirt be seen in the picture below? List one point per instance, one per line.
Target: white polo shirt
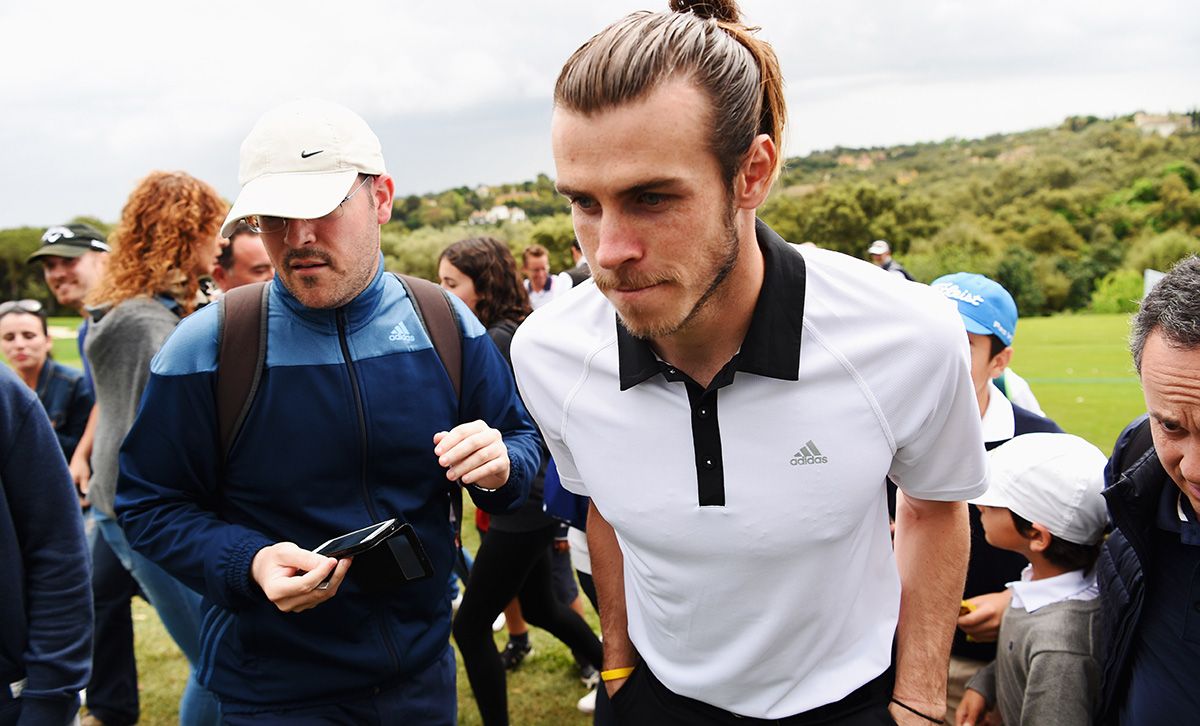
(759, 574)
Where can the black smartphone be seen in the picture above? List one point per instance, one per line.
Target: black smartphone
(360, 540)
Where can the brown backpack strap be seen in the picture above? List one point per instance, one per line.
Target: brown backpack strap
(437, 316)
(242, 337)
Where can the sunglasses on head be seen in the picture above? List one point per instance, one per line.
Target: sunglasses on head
(33, 307)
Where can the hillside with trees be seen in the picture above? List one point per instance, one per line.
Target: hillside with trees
(1066, 218)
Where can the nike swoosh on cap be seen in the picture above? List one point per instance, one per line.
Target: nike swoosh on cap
(306, 154)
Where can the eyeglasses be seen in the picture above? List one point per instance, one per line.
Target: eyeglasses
(33, 307)
(265, 224)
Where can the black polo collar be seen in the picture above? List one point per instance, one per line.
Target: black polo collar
(772, 344)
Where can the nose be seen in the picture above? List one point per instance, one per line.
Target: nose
(1189, 465)
(299, 232)
(617, 242)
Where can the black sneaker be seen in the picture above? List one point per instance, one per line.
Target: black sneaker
(514, 653)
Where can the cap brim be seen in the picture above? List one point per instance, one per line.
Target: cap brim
(974, 326)
(59, 250)
(993, 497)
(294, 196)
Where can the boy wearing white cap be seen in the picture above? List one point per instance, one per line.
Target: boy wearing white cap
(1044, 502)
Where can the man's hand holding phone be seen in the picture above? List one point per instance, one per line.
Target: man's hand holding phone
(290, 576)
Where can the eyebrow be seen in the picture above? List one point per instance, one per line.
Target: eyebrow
(634, 190)
(1163, 419)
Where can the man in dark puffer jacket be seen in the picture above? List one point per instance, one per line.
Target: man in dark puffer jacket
(1150, 612)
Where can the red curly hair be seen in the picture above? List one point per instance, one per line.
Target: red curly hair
(166, 228)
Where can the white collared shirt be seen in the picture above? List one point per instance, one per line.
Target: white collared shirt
(1031, 595)
(783, 596)
(998, 421)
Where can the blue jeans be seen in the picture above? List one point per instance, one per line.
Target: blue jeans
(179, 609)
(428, 698)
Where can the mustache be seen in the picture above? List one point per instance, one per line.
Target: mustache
(307, 256)
(614, 280)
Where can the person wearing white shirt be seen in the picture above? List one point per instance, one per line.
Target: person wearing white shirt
(539, 283)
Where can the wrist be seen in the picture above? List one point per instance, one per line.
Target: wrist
(927, 711)
(616, 674)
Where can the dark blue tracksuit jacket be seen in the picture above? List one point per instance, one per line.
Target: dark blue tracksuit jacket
(45, 594)
(340, 436)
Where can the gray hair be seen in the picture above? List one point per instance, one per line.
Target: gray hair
(1173, 308)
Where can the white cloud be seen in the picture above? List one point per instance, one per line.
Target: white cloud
(97, 94)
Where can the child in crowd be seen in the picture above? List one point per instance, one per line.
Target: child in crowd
(1043, 502)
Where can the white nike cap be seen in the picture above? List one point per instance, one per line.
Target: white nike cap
(300, 161)
(879, 247)
(1054, 480)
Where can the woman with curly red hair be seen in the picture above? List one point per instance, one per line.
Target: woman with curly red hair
(168, 238)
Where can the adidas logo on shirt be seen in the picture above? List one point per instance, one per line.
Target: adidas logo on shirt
(809, 454)
(400, 333)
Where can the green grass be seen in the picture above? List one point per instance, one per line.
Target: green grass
(1079, 368)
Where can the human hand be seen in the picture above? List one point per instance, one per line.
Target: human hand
(983, 623)
(473, 453)
(562, 545)
(971, 709)
(614, 685)
(81, 474)
(289, 576)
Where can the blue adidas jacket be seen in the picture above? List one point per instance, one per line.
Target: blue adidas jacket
(340, 436)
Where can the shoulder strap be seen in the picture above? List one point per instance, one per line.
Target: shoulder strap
(437, 316)
(242, 341)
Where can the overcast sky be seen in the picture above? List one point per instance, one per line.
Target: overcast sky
(95, 95)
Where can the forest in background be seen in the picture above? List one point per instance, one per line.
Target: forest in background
(1066, 218)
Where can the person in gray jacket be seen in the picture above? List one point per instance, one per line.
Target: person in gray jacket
(1044, 502)
(167, 239)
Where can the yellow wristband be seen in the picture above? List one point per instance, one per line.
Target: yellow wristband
(616, 674)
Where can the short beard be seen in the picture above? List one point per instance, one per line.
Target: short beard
(725, 265)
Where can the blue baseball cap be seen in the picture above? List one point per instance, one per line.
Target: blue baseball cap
(985, 306)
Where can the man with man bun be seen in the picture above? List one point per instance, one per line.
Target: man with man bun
(733, 406)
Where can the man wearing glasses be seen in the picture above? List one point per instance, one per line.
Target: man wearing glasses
(354, 422)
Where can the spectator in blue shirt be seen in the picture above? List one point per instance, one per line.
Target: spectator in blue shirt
(66, 396)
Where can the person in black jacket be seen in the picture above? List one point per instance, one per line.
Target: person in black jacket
(1150, 593)
(514, 558)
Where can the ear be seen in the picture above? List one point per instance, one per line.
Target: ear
(218, 276)
(753, 180)
(997, 364)
(383, 190)
(1041, 538)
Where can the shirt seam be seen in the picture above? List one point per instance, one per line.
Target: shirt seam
(859, 382)
(576, 388)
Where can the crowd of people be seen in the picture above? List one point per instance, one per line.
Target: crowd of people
(796, 487)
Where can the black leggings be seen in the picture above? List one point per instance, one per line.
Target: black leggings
(512, 564)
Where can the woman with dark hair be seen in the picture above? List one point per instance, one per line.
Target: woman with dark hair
(514, 558)
(168, 238)
(66, 396)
